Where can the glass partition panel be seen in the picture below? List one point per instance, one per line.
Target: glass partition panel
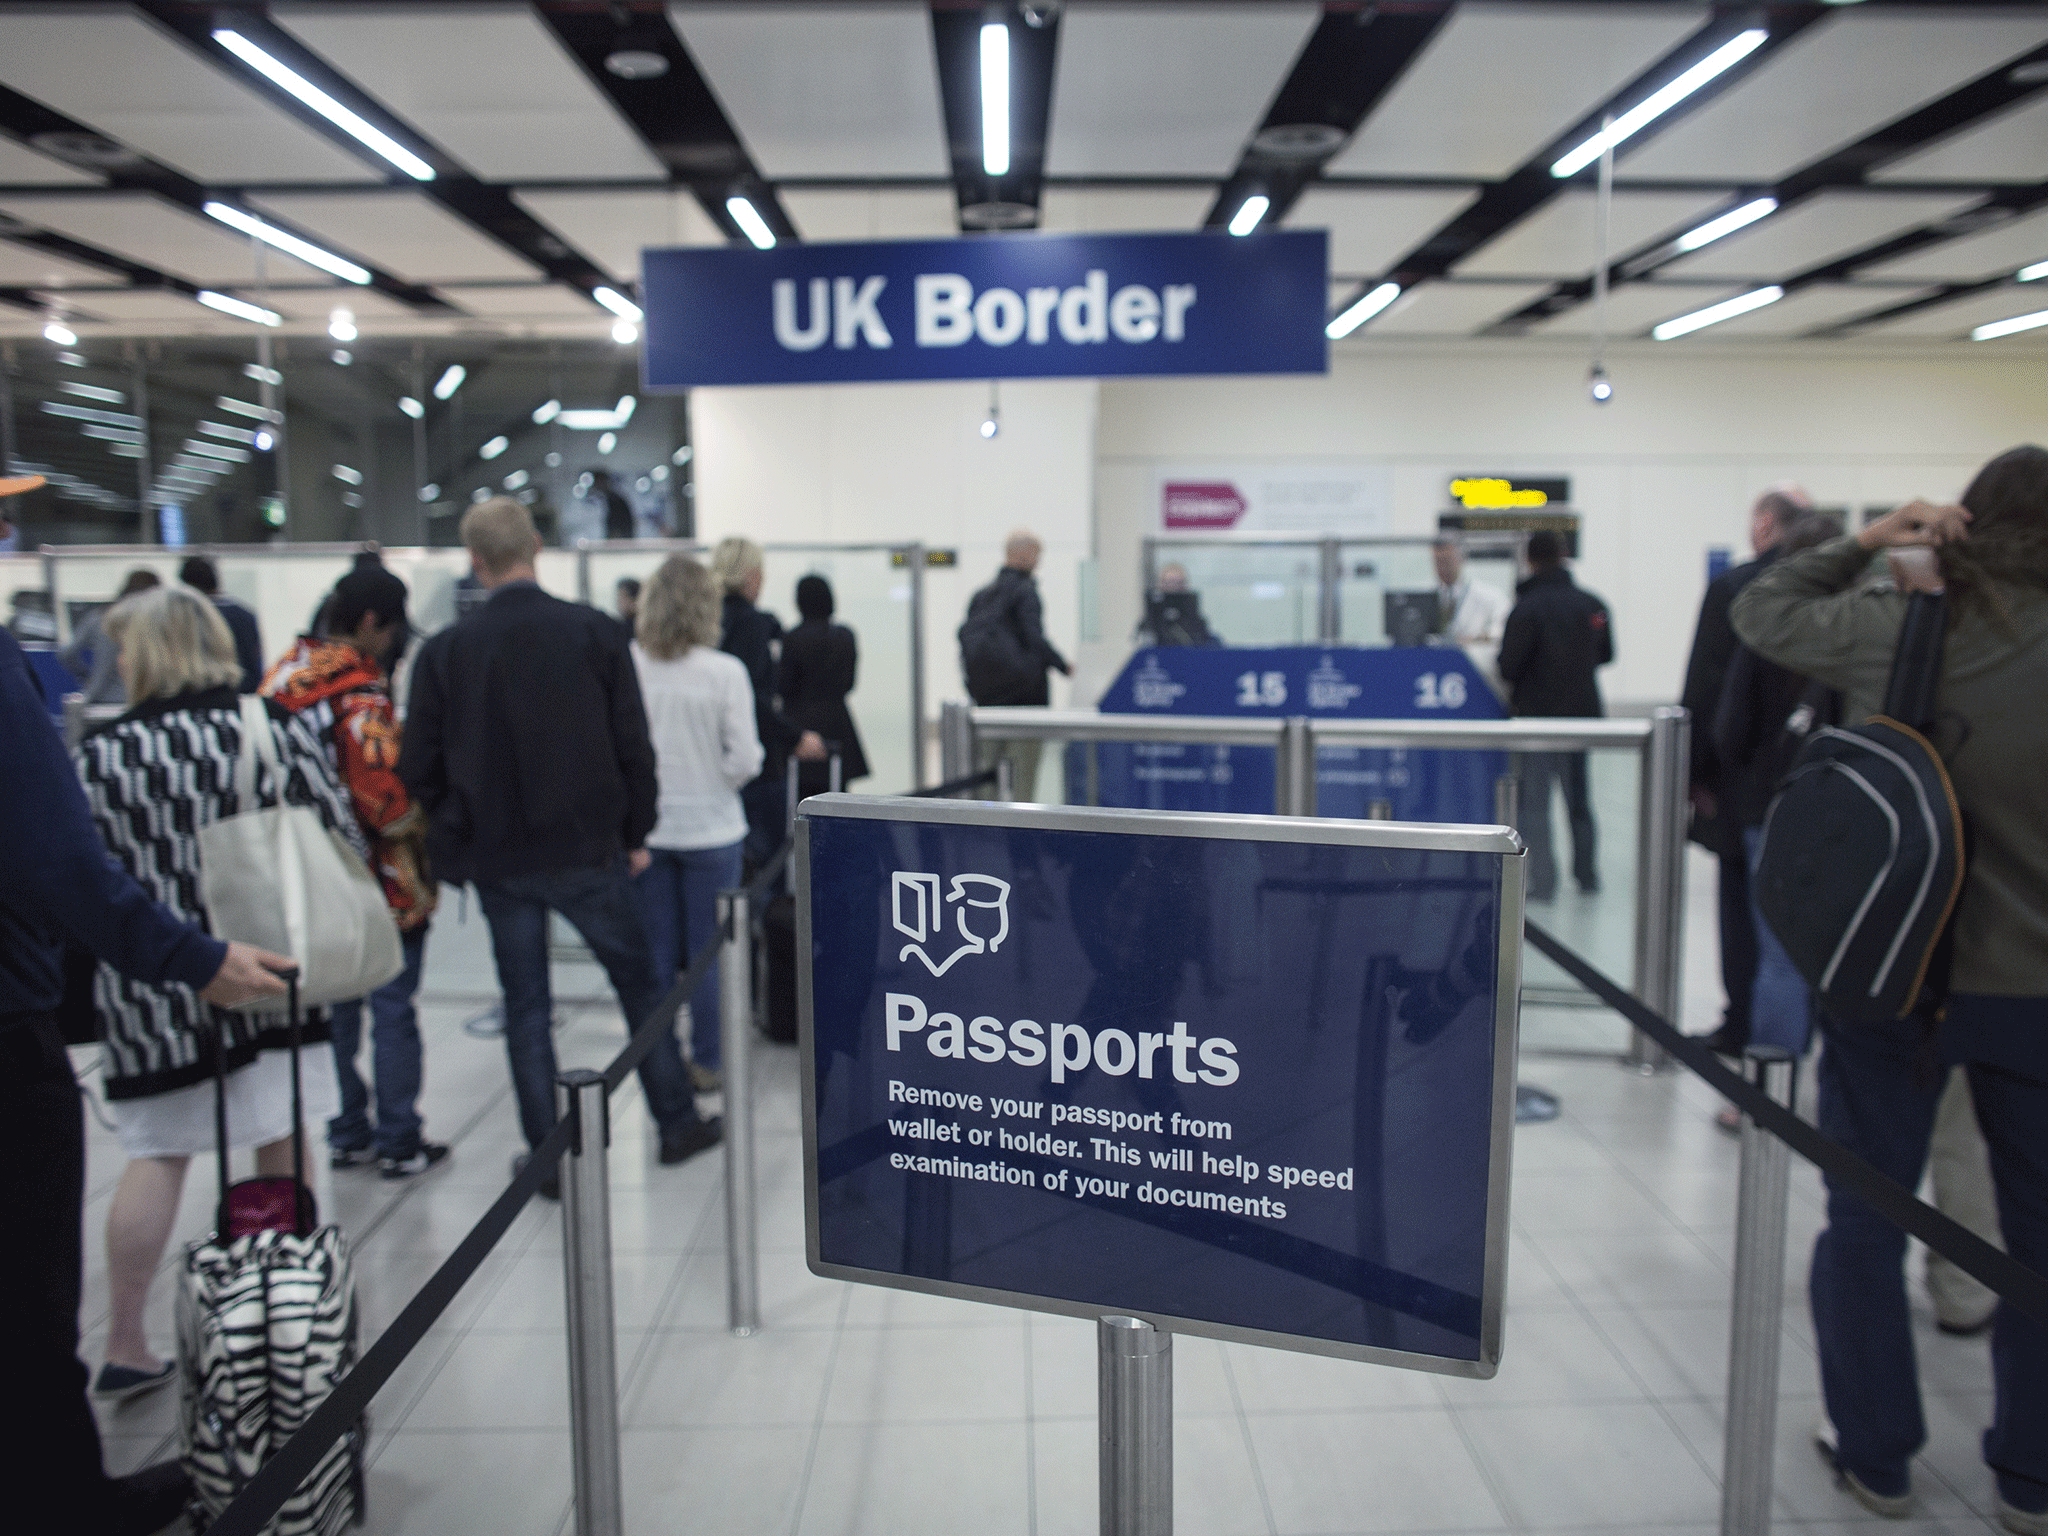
(1252, 593)
(18, 573)
(1367, 575)
(90, 578)
(285, 588)
(560, 572)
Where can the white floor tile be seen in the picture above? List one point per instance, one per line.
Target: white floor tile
(917, 1480)
(1406, 1470)
(1598, 1464)
(927, 1375)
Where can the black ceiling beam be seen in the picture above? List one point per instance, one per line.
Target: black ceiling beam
(1347, 66)
(675, 112)
(1010, 201)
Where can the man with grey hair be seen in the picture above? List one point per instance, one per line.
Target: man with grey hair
(1713, 648)
(1004, 653)
(1468, 612)
(526, 743)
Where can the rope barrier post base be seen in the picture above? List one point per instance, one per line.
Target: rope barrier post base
(1134, 1419)
(736, 1040)
(587, 1286)
(1756, 1320)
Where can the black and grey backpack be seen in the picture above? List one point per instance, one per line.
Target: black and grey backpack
(1861, 863)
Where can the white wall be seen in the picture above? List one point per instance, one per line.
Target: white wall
(1662, 473)
(895, 462)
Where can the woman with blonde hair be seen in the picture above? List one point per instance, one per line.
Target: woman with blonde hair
(153, 778)
(700, 714)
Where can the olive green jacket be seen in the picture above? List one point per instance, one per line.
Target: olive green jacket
(1810, 614)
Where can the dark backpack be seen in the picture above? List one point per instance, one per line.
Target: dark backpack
(998, 668)
(1861, 862)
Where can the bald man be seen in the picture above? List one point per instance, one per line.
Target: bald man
(1005, 655)
(1713, 648)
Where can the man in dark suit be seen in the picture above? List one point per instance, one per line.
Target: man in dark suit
(1556, 638)
(1713, 648)
(527, 744)
(200, 574)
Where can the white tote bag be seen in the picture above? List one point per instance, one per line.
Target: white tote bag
(282, 880)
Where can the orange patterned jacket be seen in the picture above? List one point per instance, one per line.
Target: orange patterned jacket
(345, 694)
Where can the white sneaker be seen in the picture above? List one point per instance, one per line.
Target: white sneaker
(2022, 1522)
(1893, 1506)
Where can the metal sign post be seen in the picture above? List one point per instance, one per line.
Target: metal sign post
(1243, 1077)
(736, 1037)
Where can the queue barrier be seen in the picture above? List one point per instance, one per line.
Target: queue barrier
(1135, 1359)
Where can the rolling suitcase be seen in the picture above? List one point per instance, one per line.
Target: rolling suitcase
(266, 1320)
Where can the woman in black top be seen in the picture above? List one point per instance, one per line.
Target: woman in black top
(819, 660)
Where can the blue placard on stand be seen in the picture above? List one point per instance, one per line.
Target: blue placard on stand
(990, 307)
(1321, 682)
(1239, 1076)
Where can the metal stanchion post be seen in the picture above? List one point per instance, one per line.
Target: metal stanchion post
(736, 1040)
(1294, 769)
(587, 1287)
(956, 742)
(1660, 873)
(1134, 1409)
(914, 555)
(1507, 800)
(1006, 779)
(1379, 810)
(1755, 1323)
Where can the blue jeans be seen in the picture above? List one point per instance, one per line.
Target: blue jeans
(1879, 1084)
(679, 900)
(1780, 1002)
(598, 903)
(394, 1062)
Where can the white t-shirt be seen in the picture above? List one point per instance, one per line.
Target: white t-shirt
(1478, 612)
(700, 712)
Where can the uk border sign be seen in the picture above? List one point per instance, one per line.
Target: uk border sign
(1247, 1077)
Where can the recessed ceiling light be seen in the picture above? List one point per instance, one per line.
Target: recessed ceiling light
(411, 407)
(1726, 224)
(1714, 314)
(1658, 102)
(625, 332)
(995, 98)
(749, 219)
(290, 244)
(450, 381)
(60, 333)
(493, 448)
(1297, 141)
(1249, 212)
(1362, 311)
(241, 309)
(546, 412)
(291, 81)
(617, 303)
(341, 325)
(608, 442)
(2016, 324)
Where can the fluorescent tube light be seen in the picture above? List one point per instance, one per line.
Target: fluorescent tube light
(111, 434)
(241, 309)
(215, 450)
(625, 332)
(450, 381)
(546, 412)
(348, 474)
(61, 334)
(1362, 311)
(232, 434)
(291, 245)
(607, 443)
(430, 493)
(1714, 314)
(1655, 105)
(290, 80)
(494, 447)
(2034, 273)
(94, 392)
(2017, 323)
(751, 224)
(88, 413)
(262, 375)
(616, 302)
(245, 408)
(341, 325)
(1249, 212)
(995, 98)
(1727, 224)
(411, 407)
(517, 480)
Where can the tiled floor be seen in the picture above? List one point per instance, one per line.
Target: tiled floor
(862, 1411)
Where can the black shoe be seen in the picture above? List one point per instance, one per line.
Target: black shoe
(351, 1157)
(424, 1156)
(685, 1142)
(1728, 1040)
(551, 1186)
(144, 1502)
(1589, 887)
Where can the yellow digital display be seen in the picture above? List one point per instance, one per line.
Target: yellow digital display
(1484, 492)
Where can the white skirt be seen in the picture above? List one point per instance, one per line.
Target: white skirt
(179, 1123)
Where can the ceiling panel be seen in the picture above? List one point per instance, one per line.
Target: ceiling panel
(612, 228)
(1633, 308)
(1370, 230)
(1807, 310)
(1167, 89)
(403, 232)
(122, 304)
(848, 91)
(145, 229)
(21, 166)
(1452, 309)
(1817, 230)
(896, 213)
(1561, 239)
(117, 73)
(23, 266)
(1832, 85)
(1951, 321)
(526, 300)
(2010, 147)
(319, 303)
(444, 70)
(1104, 210)
(2004, 248)
(1498, 82)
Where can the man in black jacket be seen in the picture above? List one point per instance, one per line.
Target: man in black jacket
(1706, 671)
(1556, 638)
(1005, 655)
(201, 575)
(527, 745)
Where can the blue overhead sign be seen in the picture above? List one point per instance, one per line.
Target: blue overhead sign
(985, 307)
(1241, 1076)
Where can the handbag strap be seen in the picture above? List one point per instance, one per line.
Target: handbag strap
(1910, 693)
(257, 744)
(220, 1125)
(298, 1109)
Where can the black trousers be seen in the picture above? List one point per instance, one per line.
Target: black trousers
(1568, 769)
(51, 1458)
(1738, 935)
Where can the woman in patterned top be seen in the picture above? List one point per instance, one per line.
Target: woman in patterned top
(154, 777)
